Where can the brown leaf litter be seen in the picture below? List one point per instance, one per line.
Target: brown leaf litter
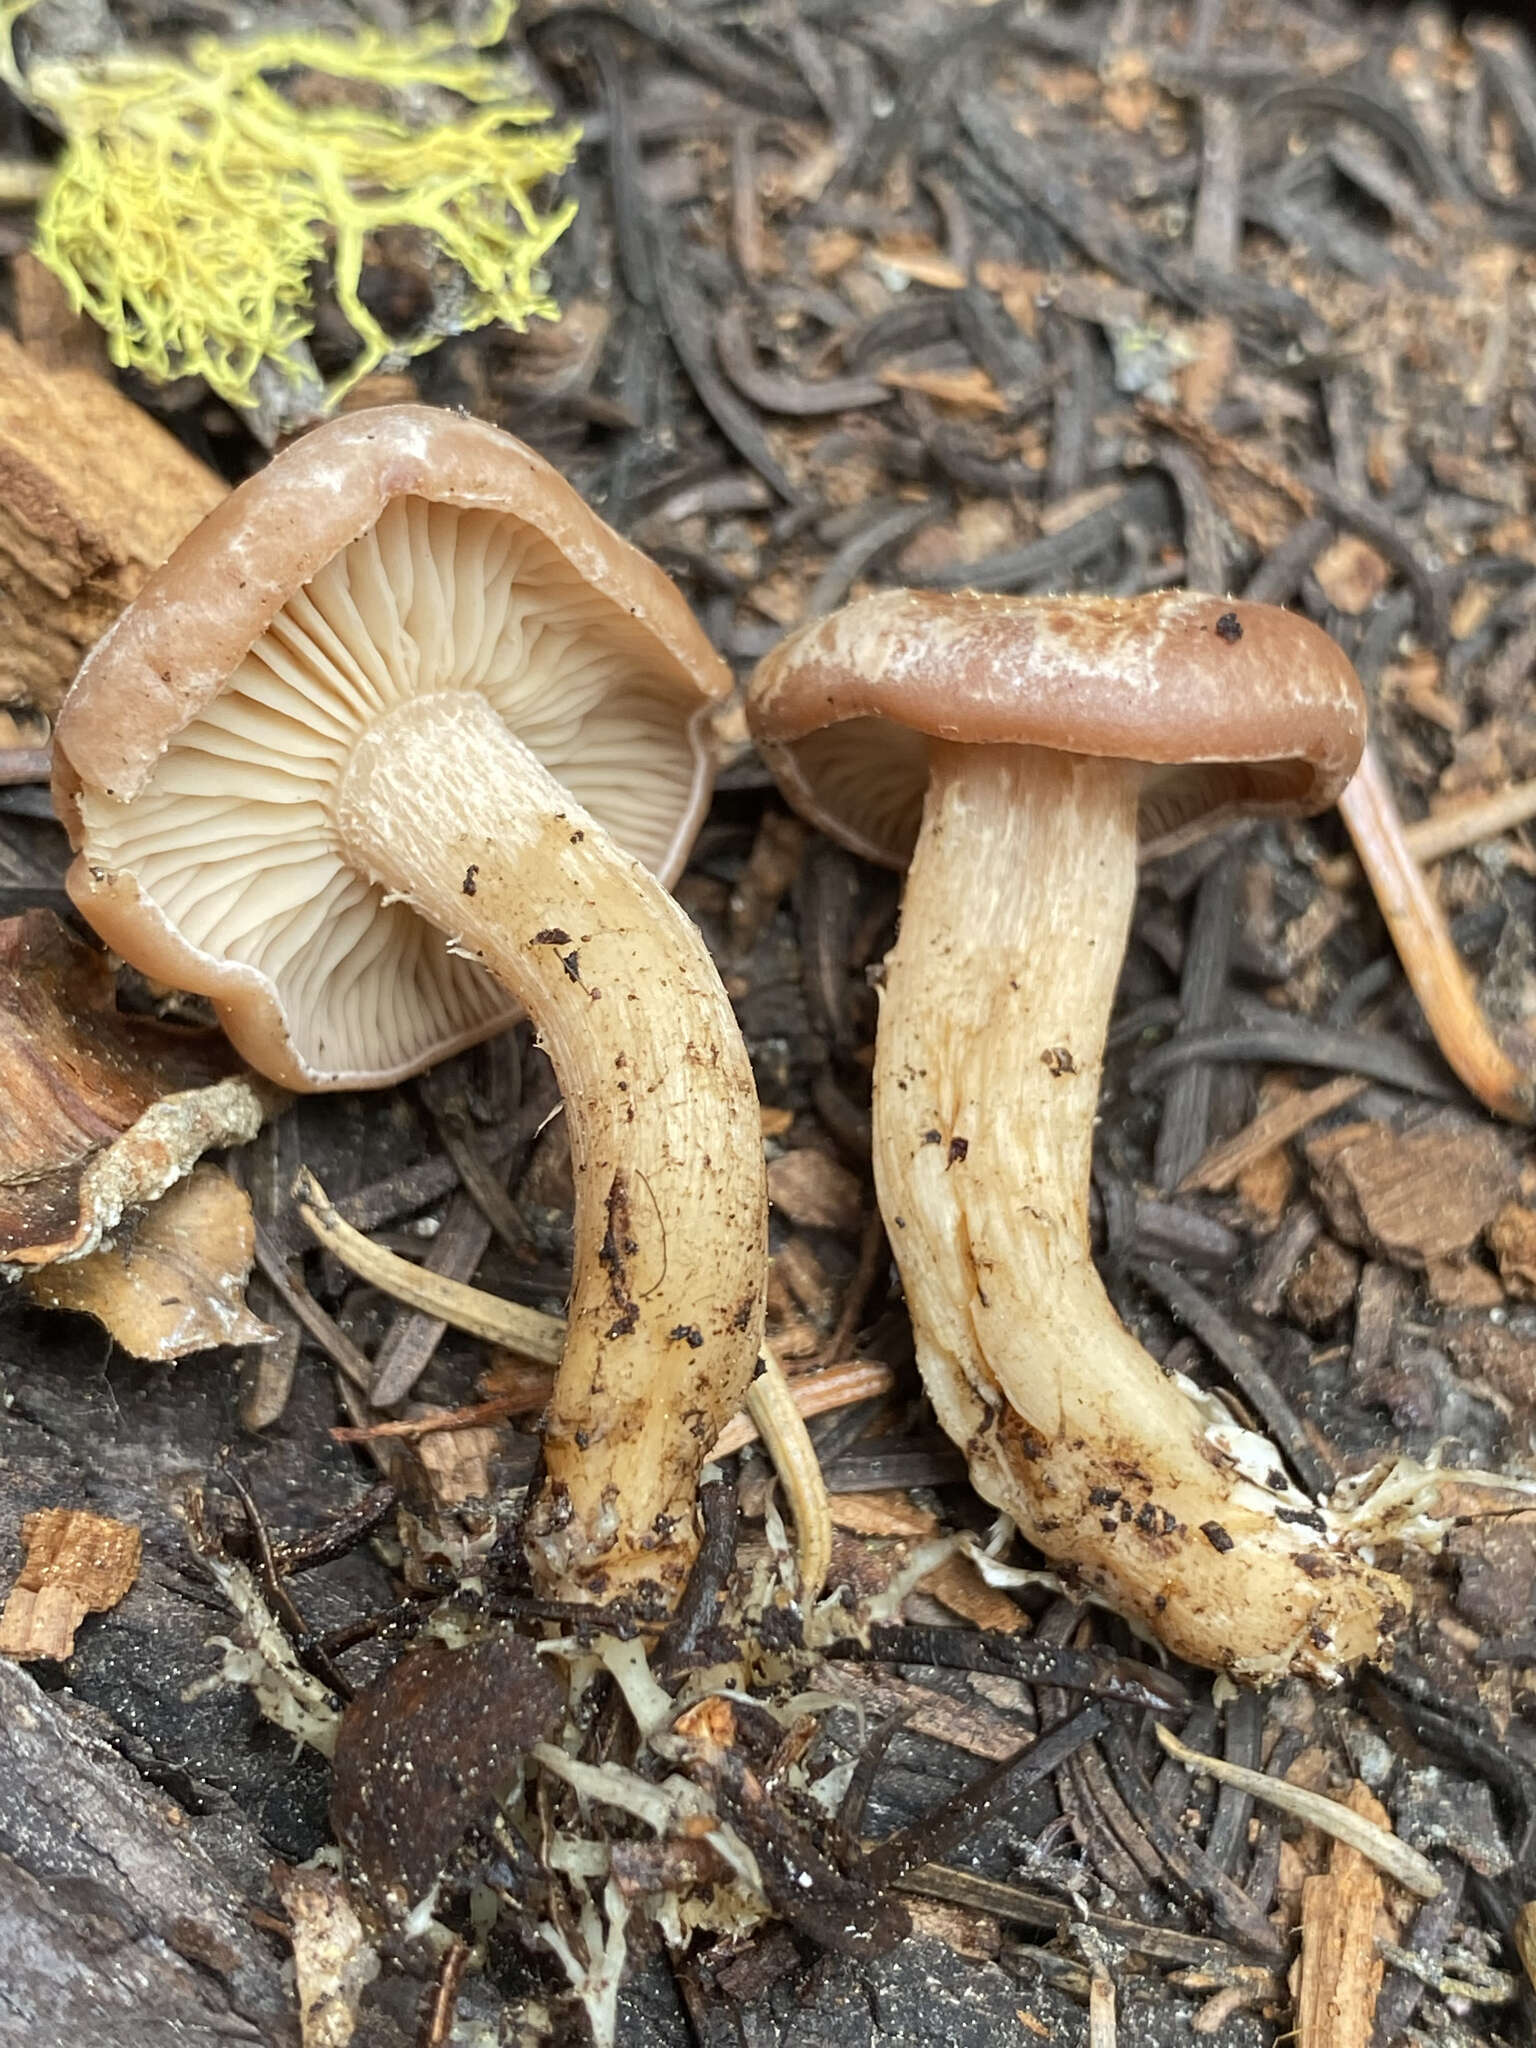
(77, 1564)
(103, 1111)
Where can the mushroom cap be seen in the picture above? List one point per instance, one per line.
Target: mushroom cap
(390, 553)
(1234, 708)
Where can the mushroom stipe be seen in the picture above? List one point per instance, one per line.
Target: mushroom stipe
(339, 703)
(1016, 751)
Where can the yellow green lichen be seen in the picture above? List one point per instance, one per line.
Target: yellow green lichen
(193, 199)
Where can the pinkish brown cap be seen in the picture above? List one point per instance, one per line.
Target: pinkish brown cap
(1235, 708)
(393, 552)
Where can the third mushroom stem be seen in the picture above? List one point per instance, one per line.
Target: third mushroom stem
(995, 1006)
(442, 807)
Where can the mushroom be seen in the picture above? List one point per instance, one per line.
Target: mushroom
(397, 742)
(1014, 753)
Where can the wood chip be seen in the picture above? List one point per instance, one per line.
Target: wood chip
(1203, 380)
(1352, 574)
(1339, 1971)
(333, 1960)
(769, 871)
(883, 1514)
(1417, 1197)
(53, 334)
(968, 1933)
(1323, 1285)
(971, 390)
(810, 1189)
(1512, 1240)
(804, 1278)
(1462, 1283)
(815, 1393)
(173, 1281)
(1265, 1185)
(1270, 1129)
(968, 1725)
(104, 1111)
(457, 1463)
(831, 250)
(1416, 681)
(1525, 1939)
(959, 1586)
(94, 494)
(925, 266)
(1502, 1357)
(77, 1564)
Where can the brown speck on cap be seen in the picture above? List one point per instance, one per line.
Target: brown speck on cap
(1234, 708)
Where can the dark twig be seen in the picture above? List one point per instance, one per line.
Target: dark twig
(687, 324)
(631, 215)
(1229, 1823)
(776, 392)
(1401, 1990)
(21, 765)
(307, 1647)
(1279, 576)
(850, 1814)
(1205, 554)
(1297, 1042)
(1026, 1908)
(1055, 558)
(985, 1799)
(412, 1338)
(893, 524)
(1183, 1856)
(684, 37)
(872, 1251)
(332, 1339)
(1227, 1343)
(337, 1536)
(958, 1649)
(1184, 1131)
(684, 1641)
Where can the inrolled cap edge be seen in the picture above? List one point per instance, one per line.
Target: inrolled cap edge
(1172, 679)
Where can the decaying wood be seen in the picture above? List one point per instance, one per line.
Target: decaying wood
(1417, 1197)
(173, 1282)
(94, 494)
(77, 1564)
(1340, 1970)
(122, 1919)
(1525, 1939)
(1270, 1129)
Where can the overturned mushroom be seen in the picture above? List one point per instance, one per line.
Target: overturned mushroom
(349, 766)
(1016, 751)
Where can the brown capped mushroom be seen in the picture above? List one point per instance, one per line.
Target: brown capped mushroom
(349, 765)
(1017, 752)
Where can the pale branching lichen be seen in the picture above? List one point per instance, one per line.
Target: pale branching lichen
(195, 198)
